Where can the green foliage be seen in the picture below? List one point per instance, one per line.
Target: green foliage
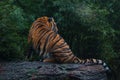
(13, 30)
(90, 27)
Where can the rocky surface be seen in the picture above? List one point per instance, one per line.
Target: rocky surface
(48, 71)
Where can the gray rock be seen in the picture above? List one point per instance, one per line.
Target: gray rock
(49, 71)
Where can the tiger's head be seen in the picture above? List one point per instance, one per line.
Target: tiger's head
(46, 22)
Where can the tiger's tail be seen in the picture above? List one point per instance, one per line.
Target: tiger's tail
(103, 64)
(92, 61)
(99, 62)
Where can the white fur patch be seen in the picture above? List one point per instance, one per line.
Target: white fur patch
(104, 64)
(100, 61)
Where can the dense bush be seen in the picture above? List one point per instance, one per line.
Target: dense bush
(90, 27)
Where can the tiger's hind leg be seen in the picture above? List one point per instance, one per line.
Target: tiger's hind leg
(51, 60)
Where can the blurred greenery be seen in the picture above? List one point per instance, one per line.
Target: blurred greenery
(90, 27)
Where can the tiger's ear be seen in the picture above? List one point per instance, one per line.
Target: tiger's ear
(50, 19)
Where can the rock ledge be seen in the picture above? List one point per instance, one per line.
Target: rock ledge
(48, 71)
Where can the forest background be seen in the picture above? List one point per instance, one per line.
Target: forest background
(90, 27)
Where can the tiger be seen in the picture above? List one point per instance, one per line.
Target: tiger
(51, 47)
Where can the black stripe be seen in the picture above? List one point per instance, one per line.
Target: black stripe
(62, 51)
(54, 36)
(91, 60)
(97, 61)
(50, 36)
(42, 30)
(37, 42)
(78, 60)
(68, 57)
(56, 52)
(50, 40)
(42, 35)
(56, 42)
(52, 33)
(34, 28)
(46, 43)
(65, 49)
(61, 45)
(36, 25)
(84, 61)
(62, 54)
